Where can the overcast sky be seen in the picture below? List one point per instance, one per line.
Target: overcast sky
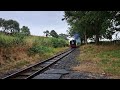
(38, 21)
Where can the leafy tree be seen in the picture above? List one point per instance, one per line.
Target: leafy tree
(2, 21)
(64, 36)
(92, 24)
(10, 26)
(25, 30)
(54, 34)
(46, 33)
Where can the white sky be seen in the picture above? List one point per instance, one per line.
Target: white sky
(38, 21)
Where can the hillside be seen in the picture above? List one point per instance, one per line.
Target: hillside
(101, 59)
(18, 52)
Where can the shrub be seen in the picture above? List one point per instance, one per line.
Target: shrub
(39, 50)
(5, 41)
(58, 42)
(8, 41)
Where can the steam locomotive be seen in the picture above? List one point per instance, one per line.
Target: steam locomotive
(73, 44)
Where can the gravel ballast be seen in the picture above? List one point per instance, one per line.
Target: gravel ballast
(70, 61)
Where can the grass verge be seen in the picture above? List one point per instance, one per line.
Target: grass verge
(101, 59)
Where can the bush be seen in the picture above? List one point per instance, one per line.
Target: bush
(5, 41)
(50, 42)
(8, 41)
(44, 41)
(39, 50)
(44, 45)
(58, 42)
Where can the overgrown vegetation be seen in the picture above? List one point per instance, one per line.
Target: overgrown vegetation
(18, 50)
(44, 45)
(9, 41)
(102, 59)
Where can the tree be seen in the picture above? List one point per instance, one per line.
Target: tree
(9, 26)
(25, 30)
(64, 36)
(46, 33)
(2, 24)
(54, 34)
(91, 23)
(12, 26)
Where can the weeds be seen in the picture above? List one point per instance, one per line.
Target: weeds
(17, 51)
(105, 58)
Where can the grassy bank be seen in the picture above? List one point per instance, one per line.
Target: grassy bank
(101, 59)
(18, 52)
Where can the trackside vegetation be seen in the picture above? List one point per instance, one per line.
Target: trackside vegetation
(18, 51)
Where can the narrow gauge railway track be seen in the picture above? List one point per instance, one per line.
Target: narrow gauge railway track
(38, 68)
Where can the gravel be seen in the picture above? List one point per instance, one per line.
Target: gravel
(68, 62)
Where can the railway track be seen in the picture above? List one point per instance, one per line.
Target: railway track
(38, 68)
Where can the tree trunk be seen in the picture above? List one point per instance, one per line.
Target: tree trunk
(97, 39)
(82, 41)
(85, 38)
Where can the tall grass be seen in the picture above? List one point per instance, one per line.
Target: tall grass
(8, 41)
(17, 51)
(44, 45)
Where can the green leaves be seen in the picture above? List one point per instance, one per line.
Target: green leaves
(39, 49)
(54, 34)
(46, 32)
(90, 23)
(8, 41)
(9, 25)
(44, 45)
(12, 27)
(25, 30)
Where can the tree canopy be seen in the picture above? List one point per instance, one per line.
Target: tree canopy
(25, 30)
(54, 34)
(92, 24)
(46, 33)
(12, 27)
(64, 36)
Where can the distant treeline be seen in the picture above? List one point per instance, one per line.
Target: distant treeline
(11, 27)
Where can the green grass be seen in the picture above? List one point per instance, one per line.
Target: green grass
(18, 51)
(8, 41)
(46, 45)
(110, 54)
(110, 61)
(104, 57)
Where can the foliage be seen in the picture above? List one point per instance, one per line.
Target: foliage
(39, 49)
(9, 26)
(25, 30)
(92, 24)
(46, 32)
(43, 45)
(8, 41)
(64, 36)
(53, 34)
(58, 42)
